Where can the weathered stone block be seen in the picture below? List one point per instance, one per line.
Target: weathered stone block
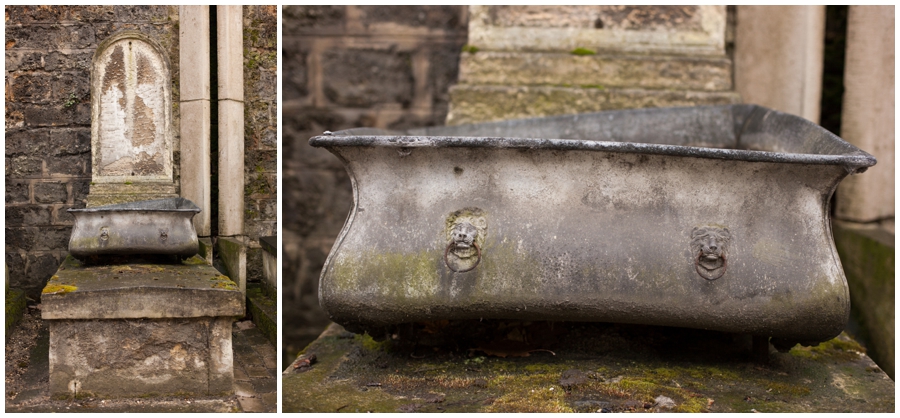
(178, 356)
(294, 78)
(24, 166)
(38, 270)
(70, 88)
(473, 104)
(297, 17)
(70, 141)
(62, 217)
(15, 262)
(172, 325)
(362, 78)
(35, 14)
(52, 238)
(91, 13)
(73, 165)
(17, 191)
(32, 142)
(50, 192)
(564, 69)
(57, 115)
(650, 29)
(23, 61)
(80, 190)
(234, 255)
(19, 238)
(30, 88)
(63, 61)
(867, 255)
(444, 17)
(30, 215)
(143, 13)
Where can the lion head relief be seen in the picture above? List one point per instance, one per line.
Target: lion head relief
(709, 248)
(466, 230)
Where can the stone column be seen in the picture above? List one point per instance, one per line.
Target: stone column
(778, 57)
(231, 120)
(867, 118)
(194, 82)
(231, 245)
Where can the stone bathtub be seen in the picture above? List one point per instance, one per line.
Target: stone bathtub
(161, 226)
(706, 217)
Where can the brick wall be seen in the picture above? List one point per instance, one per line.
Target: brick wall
(260, 130)
(349, 66)
(48, 122)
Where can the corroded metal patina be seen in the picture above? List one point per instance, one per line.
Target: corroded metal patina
(706, 217)
(161, 226)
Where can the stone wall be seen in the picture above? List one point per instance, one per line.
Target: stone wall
(349, 66)
(260, 130)
(48, 122)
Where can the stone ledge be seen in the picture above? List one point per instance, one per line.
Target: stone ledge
(564, 69)
(263, 310)
(867, 255)
(135, 290)
(480, 103)
(591, 368)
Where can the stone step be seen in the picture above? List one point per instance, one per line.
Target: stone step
(262, 307)
(484, 103)
(607, 70)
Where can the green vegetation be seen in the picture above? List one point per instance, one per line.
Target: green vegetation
(583, 51)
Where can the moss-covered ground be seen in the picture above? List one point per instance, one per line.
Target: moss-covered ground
(514, 366)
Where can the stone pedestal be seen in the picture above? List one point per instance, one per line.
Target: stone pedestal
(531, 61)
(134, 329)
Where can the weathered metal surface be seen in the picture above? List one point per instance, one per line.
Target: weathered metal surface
(160, 226)
(707, 217)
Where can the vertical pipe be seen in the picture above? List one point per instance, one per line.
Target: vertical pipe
(194, 104)
(231, 120)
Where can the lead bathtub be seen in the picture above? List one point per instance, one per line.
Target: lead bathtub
(707, 217)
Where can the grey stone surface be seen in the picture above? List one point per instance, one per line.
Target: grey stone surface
(32, 393)
(483, 103)
(600, 71)
(140, 290)
(628, 367)
(140, 357)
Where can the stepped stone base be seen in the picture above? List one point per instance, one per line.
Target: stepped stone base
(701, 73)
(131, 328)
(482, 103)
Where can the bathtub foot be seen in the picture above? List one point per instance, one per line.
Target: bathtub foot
(760, 349)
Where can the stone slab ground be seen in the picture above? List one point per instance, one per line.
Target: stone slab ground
(544, 367)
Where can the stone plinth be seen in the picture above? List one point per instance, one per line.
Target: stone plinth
(133, 329)
(530, 61)
(543, 367)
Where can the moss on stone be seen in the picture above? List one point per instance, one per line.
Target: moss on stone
(583, 51)
(54, 289)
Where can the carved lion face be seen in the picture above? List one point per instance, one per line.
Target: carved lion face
(709, 245)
